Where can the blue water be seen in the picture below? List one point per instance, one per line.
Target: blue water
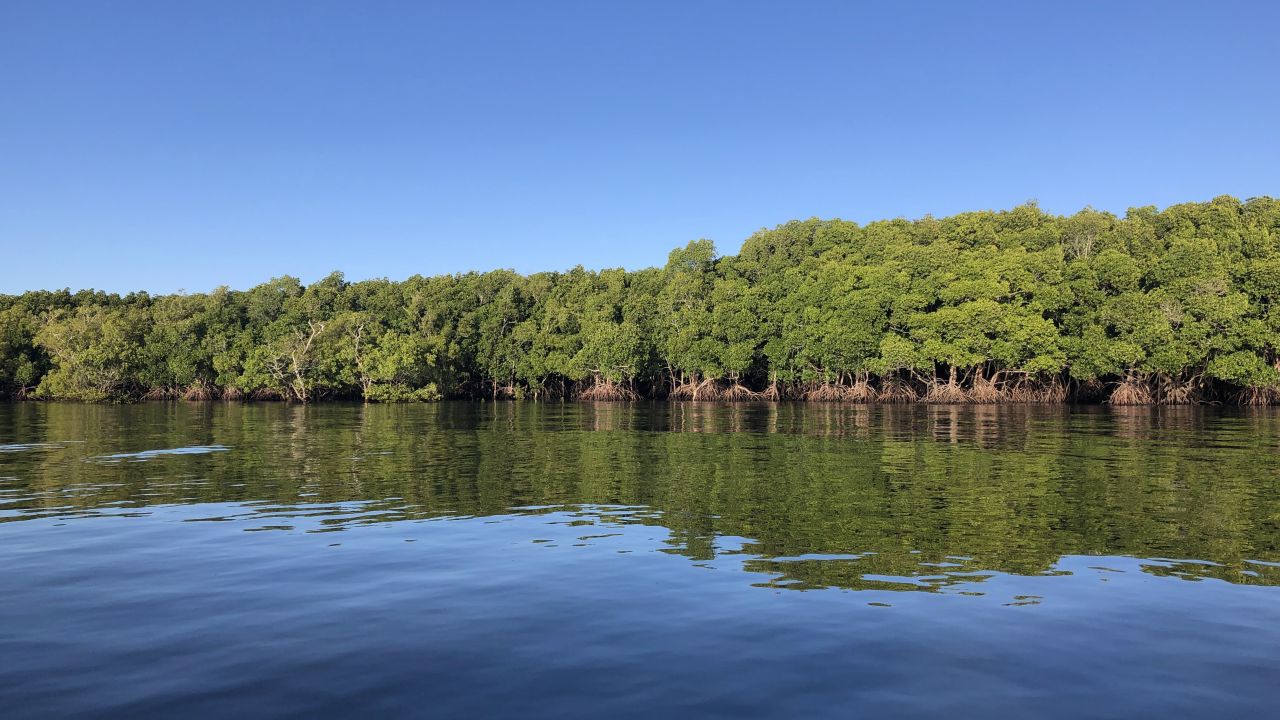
(648, 561)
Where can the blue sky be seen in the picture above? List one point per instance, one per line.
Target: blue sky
(164, 146)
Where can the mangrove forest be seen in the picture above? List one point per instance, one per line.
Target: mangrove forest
(1155, 307)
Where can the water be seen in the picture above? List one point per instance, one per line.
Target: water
(638, 561)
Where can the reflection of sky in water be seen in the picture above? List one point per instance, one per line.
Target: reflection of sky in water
(632, 529)
(559, 560)
(931, 499)
(144, 455)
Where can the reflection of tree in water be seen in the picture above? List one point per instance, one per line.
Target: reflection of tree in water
(1011, 488)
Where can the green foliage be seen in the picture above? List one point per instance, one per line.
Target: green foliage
(96, 352)
(22, 363)
(396, 392)
(1182, 300)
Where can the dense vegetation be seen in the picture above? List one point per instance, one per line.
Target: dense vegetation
(1017, 306)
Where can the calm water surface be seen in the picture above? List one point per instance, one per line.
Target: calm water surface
(643, 560)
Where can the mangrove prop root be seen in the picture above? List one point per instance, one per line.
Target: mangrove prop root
(606, 391)
(1131, 392)
(948, 393)
(739, 393)
(896, 390)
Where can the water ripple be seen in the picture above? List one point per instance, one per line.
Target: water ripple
(144, 455)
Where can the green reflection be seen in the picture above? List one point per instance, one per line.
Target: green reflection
(818, 496)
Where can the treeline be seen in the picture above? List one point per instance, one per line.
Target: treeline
(1016, 306)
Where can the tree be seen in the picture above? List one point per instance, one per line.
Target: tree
(1168, 306)
(96, 354)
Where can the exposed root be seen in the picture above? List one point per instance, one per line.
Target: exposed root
(1254, 395)
(948, 393)
(1023, 391)
(683, 391)
(1055, 391)
(707, 390)
(694, 390)
(1180, 395)
(1135, 389)
(985, 391)
(504, 392)
(1131, 391)
(1091, 391)
(895, 390)
(161, 393)
(1164, 391)
(1174, 391)
(861, 392)
(826, 392)
(1036, 391)
(605, 391)
(199, 392)
(739, 393)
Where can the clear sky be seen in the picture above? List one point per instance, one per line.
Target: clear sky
(185, 145)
